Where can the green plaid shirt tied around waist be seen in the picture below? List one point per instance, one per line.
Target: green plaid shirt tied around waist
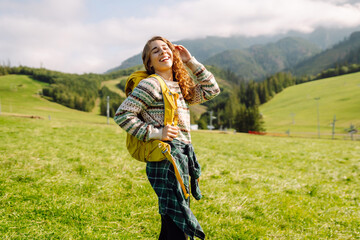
(172, 201)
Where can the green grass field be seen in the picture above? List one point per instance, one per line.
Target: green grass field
(71, 178)
(339, 96)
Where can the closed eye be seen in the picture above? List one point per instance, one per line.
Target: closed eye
(156, 49)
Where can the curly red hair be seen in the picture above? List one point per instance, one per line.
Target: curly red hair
(180, 73)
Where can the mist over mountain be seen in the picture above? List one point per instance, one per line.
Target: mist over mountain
(326, 37)
(344, 53)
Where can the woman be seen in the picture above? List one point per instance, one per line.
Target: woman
(142, 115)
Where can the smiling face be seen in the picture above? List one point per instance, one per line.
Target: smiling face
(161, 56)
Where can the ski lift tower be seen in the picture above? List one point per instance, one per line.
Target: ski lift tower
(210, 126)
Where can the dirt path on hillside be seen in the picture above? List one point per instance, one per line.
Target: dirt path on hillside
(96, 109)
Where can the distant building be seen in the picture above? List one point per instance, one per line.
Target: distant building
(194, 127)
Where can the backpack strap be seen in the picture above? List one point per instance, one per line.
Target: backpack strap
(170, 103)
(133, 80)
(170, 98)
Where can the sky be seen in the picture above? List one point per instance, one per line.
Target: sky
(82, 36)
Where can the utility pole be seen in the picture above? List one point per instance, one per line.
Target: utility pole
(292, 117)
(211, 127)
(333, 127)
(318, 117)
(108, 108)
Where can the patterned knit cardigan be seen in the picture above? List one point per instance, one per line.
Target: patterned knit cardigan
(142, 113)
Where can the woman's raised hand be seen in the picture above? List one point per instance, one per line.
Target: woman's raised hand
(184, 53)
(169, 133)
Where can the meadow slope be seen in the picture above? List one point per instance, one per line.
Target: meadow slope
(19, 96)
(71, 178)
(295, 108)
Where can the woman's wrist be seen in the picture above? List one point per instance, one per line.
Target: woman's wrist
(193, 64)
(156, 133)
(186, 61)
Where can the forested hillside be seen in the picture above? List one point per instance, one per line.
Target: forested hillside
(259, 61)
(344, 53)
(205, 48)
(255, 62)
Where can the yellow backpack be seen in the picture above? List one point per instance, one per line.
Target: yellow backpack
(154, 150)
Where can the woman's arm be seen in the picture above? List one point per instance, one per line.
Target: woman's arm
(127, 115)
(139, 100)
(206, 87)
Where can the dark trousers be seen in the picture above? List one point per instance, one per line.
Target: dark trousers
(169, 230)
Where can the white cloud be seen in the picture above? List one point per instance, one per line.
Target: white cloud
(256, 17)
(49, 10)
(58, 35)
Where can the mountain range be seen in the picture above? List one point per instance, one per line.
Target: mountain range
(257, 57)
(258, 61)
(346, 52)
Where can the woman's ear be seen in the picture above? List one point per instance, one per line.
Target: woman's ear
(149, 65)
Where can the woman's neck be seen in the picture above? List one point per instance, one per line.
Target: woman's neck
(168, 75)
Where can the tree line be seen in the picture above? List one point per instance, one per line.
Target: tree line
(339, 69)
(114, 101)
(72, 90)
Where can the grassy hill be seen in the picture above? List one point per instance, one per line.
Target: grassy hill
(19, 95)
(338, 96)
(71, 178)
